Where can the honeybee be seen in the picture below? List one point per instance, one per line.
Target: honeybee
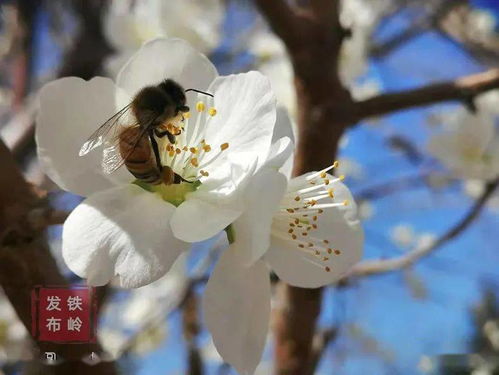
(129, 135)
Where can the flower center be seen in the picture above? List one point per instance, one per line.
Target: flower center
(297, 219)
(174, 193)
(190, 156)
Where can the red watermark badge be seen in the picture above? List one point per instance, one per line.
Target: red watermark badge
(63, 314)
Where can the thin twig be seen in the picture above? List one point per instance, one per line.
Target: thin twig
(372, 267)
(463, 90)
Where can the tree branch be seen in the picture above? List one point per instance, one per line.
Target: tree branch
(462, 90)
(373, 267)
(280, 16)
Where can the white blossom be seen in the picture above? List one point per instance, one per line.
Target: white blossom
(304, 229)
(130, 23)
(122, 229)
(468, 145)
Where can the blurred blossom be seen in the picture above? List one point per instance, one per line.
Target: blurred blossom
(402, 235)
(273, 61)
(468, 145)
(481, 24)
(360, 17)
(366, 210)
(130, 23)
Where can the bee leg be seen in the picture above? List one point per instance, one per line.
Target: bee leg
(160, 134)
(170, 136)
(155, 149)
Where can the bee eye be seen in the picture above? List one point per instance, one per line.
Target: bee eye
(184, 109)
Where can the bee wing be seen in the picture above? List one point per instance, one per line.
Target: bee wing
(112, 158)
(107, 132)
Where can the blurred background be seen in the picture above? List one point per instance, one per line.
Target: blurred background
(420, 319)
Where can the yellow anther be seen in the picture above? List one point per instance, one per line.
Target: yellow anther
(187, 115)
(310, 244)
(194, 162)
(293, 236)
(206, 148)
(185, 148)
(320, 210)
(301, 246)
(314, 226)
(224, 146)
(171, 153)
(290, 230)
(330, 193)
(336, 164)
(194, 150)
(317, 252)
(291, 224)
(297, 198)
(304, 234)
(325, 241)
(314, 218)
(178, 151)
(346, 202)
(323, 175)
(297, 221)
(204, 173)
(328, 269)
(342, 177)
(200, 106)
(290, 210)
(212, 111)
(329, 251)
(337, 252)
(326, 181)
(325, 259)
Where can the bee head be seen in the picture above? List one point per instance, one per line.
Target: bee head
(176, 94)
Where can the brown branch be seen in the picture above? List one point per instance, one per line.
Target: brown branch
(313, 41)
(191, 330)
(373, 267)
(26, 262)
(462, 90)
(280, 16)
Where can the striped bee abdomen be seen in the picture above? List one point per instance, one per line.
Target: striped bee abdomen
(140, 161)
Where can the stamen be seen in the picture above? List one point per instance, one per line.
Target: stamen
(212, 111)
(200, 106)
(224, 146)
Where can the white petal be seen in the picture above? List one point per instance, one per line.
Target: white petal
(344, 232)
(284, 128)
(164, 58)
(246, 115)
(279, 154)
(215, 205)
(237, 307)
(197, 220)
(121, 232)
(70, 110)
(252, 228)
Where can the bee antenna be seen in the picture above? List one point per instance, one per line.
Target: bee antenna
(199, 91)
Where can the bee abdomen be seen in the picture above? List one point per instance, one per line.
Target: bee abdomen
(140, 161)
